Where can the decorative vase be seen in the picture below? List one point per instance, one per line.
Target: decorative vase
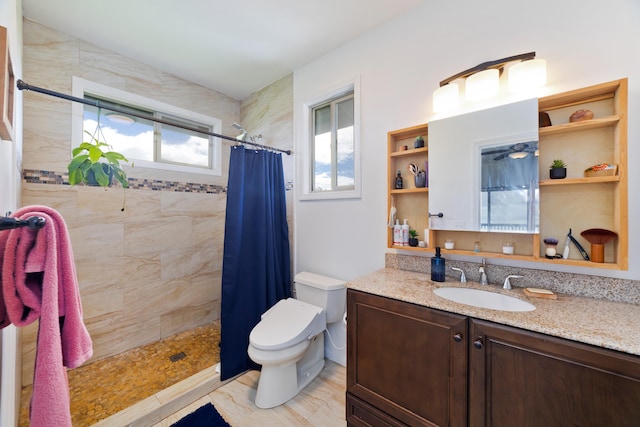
(557, 173)
(413, 241)
(418, 143)
(421, 179)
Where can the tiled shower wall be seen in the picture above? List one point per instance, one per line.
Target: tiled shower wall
(154, 269)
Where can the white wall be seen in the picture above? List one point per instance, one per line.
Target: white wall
(585, 42)
(10, 158)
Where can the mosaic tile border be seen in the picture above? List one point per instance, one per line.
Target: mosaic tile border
(34, 176)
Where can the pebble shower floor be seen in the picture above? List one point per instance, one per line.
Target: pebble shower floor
(105, 387)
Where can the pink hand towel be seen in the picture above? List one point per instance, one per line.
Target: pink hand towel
(39, 281)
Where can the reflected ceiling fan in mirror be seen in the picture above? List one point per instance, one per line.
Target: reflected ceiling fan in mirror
(515, 151)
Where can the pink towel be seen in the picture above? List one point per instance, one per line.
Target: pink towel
(39, 281)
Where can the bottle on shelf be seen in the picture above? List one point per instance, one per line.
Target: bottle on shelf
(399, 184)
(397, 233)
(405, 233)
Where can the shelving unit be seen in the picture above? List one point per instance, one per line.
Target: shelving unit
(576, 202)
(411, 203)
(580, 202)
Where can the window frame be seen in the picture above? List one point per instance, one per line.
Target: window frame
(81, 86)
(332, 104)
(308, 107)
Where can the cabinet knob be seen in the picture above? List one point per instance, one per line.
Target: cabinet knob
(478, 343)
(457, 337)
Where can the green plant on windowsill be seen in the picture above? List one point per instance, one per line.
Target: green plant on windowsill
(93, 164)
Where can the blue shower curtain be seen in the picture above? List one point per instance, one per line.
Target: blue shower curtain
(256, 261)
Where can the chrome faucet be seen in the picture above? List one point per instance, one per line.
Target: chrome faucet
(463, 278)
(507, 283)
(483, 273)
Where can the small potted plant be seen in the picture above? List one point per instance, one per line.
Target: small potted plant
(93, 164)
(558, 169)
(413, 238)
(419, 142)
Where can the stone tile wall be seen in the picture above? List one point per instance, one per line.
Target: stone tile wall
(155, 268)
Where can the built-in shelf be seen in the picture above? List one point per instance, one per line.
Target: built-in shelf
(586, 180)
(410, 190)
(579, 126)
(409, 152)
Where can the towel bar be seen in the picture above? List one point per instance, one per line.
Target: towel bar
(34, 223)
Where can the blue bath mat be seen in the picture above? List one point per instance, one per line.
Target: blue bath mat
(205, 416)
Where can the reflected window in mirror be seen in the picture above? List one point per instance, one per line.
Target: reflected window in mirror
(509, 199)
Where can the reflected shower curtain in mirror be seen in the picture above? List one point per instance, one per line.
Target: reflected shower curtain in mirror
(256, 261)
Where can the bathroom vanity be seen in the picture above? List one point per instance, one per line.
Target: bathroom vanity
(416, 359)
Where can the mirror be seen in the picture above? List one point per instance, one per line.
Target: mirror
(483, 170)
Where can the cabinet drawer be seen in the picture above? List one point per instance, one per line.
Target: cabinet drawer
(360, 414)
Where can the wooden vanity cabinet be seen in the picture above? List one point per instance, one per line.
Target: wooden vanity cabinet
(406, 365)
(527, 379)
(409, 365)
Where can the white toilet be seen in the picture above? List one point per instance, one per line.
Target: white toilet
(289, 340)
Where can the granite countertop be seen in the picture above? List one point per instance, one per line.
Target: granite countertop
(607, 324)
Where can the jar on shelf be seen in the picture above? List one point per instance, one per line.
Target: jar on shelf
(550, 244)
(507, 248)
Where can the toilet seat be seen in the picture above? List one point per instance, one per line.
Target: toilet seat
(287, 323)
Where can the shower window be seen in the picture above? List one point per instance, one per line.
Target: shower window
(146, 143)
(333, 142)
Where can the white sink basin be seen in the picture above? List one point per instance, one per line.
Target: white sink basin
(484, 299)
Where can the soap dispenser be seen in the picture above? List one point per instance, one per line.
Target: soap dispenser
(437, 267)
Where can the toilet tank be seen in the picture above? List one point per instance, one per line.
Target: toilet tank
(325, 292)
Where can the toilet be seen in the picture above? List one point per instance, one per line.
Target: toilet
(289, 339)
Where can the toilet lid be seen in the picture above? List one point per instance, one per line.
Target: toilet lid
(288, 322)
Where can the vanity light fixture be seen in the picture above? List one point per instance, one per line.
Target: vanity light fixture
(483, 80)
(528, 75)
(446, 97)
(482, 85)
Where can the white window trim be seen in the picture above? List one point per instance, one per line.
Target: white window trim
(80, 86)
(307, 119)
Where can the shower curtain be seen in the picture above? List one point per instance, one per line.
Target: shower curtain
(255, 267)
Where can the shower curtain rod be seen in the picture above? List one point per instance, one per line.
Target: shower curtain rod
(24, 86)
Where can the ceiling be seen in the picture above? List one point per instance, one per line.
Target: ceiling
(236, 47)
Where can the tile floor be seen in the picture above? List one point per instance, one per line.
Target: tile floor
(320, 404)
(107, 386)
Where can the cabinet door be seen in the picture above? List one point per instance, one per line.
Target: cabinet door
(406, 360)
(525, 379)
